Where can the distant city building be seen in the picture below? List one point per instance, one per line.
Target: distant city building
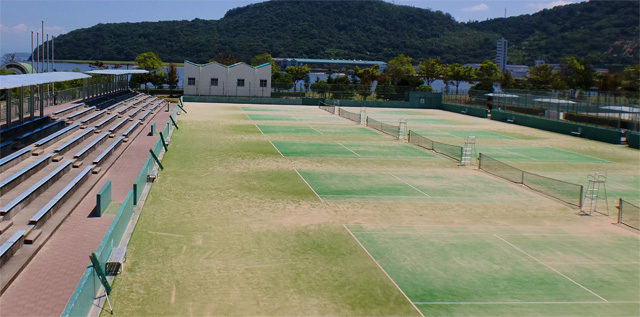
(215, 79)
(334, 64)
(501, 54)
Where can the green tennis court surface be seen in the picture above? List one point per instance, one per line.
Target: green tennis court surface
(424, 121)
(352, 150)
(461, 134)
(391, 112)
(507, 271)
(434, 186)
(625, 186)
(317, 130)
(535, 154)
(285, 109)
(302, 118)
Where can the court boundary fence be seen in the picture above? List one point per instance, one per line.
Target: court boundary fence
(558, 189)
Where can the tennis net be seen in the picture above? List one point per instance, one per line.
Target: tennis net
(392, 130)
(629, 214)
(326, 107)
(564, 191)
(452, 151)
(355, 117)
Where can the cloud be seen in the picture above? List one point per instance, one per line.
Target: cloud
(549, 4)
(480, 7)
(24, 29)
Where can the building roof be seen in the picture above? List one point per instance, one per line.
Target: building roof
(227, 66)
(335, 61)
(13, 81)
(117, 71)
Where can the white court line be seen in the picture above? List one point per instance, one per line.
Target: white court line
(549, 267)
(402, 180)
(348, 149)
(276, 148)
(257, 127)
(305, 181)
(383, 271)
(314, 129)
(511, 152)
(518, 303)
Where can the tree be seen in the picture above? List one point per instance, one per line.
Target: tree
(631, 78)
(458, 73)
(281, 81)
(577, 73)
(366, 76)
(97, 65)
(172, 78)
(430, 70)
(487, 74)
(263, 59)
(151, 62)
(9, 58)
(506, 80)
(385, 91)
(320, 87)
(399, 67)
(540, 76)
(225, 59)
(297, 73)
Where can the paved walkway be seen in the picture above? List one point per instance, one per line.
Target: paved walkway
(46, 283)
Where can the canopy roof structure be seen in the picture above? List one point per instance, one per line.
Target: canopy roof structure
(14, 81)
(554, 100)
(117, 71)
(499, 95)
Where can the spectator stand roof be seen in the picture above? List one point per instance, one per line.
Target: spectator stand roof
(117, 71)
(14, 81)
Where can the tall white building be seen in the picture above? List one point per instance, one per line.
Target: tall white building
(214, 79)
(501, 53)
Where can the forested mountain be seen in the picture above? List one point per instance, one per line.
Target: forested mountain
(604, 32)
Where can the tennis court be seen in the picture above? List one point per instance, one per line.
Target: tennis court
(294, 118)
(509, 271)
(435, 186)
(536, 154)
(386, 150)
(331, 130)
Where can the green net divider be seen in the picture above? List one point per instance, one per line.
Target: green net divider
(355, 117)
(629, 214)
(389, 129)
(329, 108)
(564, 191)
(497, 168)
(452, 151)
(568, 192)
(81, 299)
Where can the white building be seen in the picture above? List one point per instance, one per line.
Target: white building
(501, 53)
(214, 79)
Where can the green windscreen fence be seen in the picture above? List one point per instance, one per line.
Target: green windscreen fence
(452, 151)
(629, 214)
(564, 191)
(81, 299)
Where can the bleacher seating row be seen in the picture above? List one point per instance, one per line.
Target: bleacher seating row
(81, 113)
(16, 130)
(73, 142)
(47, 210)
(68, 109)
(106, 121)
(108, 151)
(131, 128)
(93, 117)
(90, 147)
(43, 143)
(13, 180)
(8, 210)
(15, 158)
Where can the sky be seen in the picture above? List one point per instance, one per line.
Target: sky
(19, 17)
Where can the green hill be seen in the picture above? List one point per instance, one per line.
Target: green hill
(605, 32)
